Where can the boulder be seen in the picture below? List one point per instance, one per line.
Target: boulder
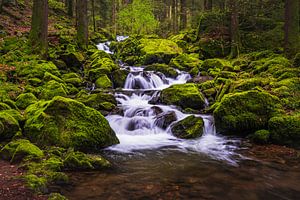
(163, 68)
(189, 128)
(68, 123)
(52, 89)
(184, 95)
(103, 82)
(119, 77)
(245, 112)
(186, 62)
(26, 99)
(164, 120)
(9, 125)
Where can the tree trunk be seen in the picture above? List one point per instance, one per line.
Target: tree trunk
(291, 27)
(183, 14)
(82, 23)
(234, 29)
(93, 13)
(70, 8)
(208, 5)
(39, 26)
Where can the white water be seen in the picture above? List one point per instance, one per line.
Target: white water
(137, 128)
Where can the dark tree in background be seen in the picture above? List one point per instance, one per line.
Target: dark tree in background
(291, 28)
(39, 26)
(82, 23)
(234, 29)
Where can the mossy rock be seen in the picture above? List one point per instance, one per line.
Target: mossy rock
(74, 60)
(103, 82)
(35, 82)
(18, 150)
(68, 123)
(189, 128)
(245, 112)
(261, 137)
(77, 82)
(52, 89)
(119, 77)
(186, 62)
(37, 184)
(163, 68)
(184, 95)
(285, 129)
(251, 83)
(49, 77)
(158, 51)
(9, 125)
(26, 99)
(56, 196)
(4, 106)
(215, 63)
(106, 64)
(102, 102)
(80, 161)
(296, 61)
(37, 70)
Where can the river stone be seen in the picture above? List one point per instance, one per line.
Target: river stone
(184, 95)
(64, 122)
(188, 128)
(164, 120)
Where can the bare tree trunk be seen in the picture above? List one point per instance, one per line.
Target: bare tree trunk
(234, 29)
(70, 7)
(39, 26)
(93, 13)
(183, 14)
(82, 26)
(291, 27)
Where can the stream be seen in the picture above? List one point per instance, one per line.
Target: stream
(150, 163)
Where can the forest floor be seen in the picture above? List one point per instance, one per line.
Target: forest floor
(12, 187)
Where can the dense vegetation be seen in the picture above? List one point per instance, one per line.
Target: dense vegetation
(247, 53)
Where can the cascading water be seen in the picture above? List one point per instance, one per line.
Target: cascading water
(139, 128)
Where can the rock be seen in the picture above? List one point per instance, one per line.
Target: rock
(103, 82)
(185, 96)
(186, 62)
(80, 161)
(285, 129)
(163, 68)
(26, 99)
(73, 60)
(99, 67)
(52, 89)
(245, 112)
(296, 62)
(4, 106)
(164, 120)
(9, 125)
(68, 123)
(16, 151)
(261, 137)
(189, 128)
(158, 51)
(215, 63)
(49, 77)
(56, 196)
(119, 77)
(200, 79)
(37, 70)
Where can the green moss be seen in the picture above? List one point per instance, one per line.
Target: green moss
(9, 125)
(272, 65)
(67, 123)
(18, 150)
(35, 81)
(261, 137)
(186, 62)
(37, 184)
(52, 89)
(37, 70)
(49, 77)
(56, 196)
(185, 96)
(4, 106)
(158, 51)
(81, 161)
(26, 99)
(119, 77)
(189, 128)
(106, 64)
(245, 112)
(285, 129)
(250, 83)
(103, 82)
(296, 61)
(215, 63)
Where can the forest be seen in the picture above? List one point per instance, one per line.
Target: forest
(149, 99)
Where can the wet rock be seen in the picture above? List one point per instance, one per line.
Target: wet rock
(200, 79)
(119, 77)
(188, 128)
(164, 120)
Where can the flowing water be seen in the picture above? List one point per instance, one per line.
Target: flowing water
(150, 163)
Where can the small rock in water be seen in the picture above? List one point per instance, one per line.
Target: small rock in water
(165, 119)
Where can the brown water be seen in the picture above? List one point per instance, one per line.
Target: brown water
(270, 172)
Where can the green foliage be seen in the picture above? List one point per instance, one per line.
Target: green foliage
(189, 128)
(137, 18)
(25, 99)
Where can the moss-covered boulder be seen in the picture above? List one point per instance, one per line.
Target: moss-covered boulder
(185, 96)
(119, 77)
(9, 125)
(102, 102)
(186, 62)
(261, 137)
(163, 68)
(52, 89)
(16, 151)
(4, 106)
(37, 70)
(100, 67)
(103, 82)
(26, 99)
(285, 129)
(158, 51)
(74, 60)
(80, 161)
(73, 78)
(296, 61)
(245, 112)
(215, 63)
(68, 123)
(188, 128)
(49, 77)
